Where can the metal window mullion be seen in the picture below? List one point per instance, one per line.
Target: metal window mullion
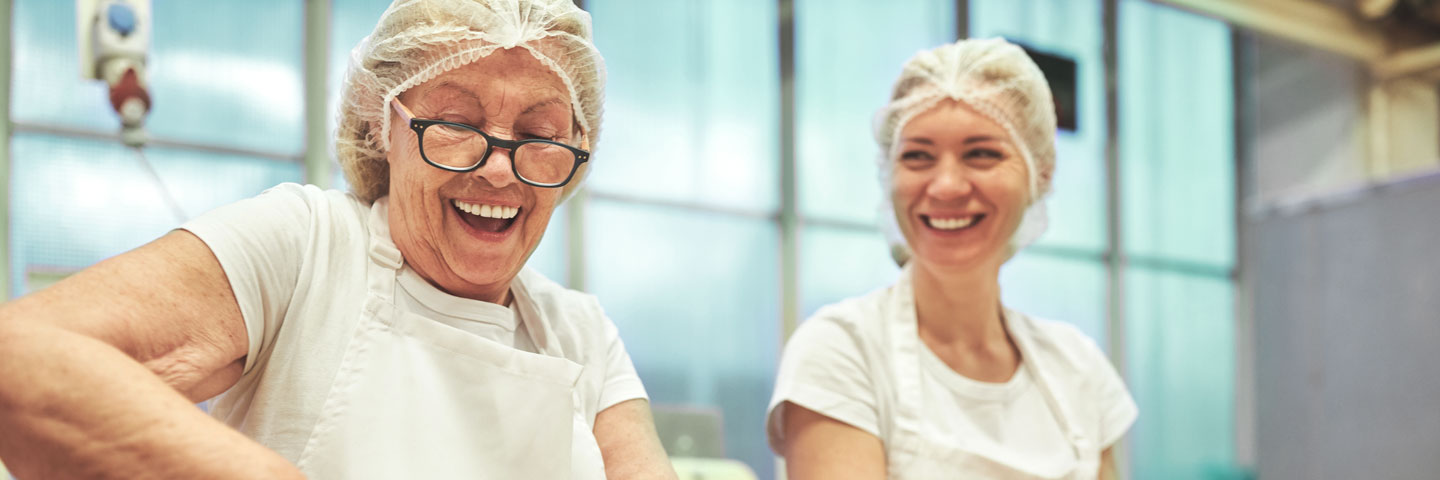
(6, 45)
(1115, 251)
(1115, 254)
(1243, 112)
(789, 209)
(317, 56)
(575, 226)
(962, 19)
(575, 238)
(150, 142)
(789, 215)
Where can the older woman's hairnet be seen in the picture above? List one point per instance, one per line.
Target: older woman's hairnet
(998, 80)
(417, 40)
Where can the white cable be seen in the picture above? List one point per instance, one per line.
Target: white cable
(165, 195)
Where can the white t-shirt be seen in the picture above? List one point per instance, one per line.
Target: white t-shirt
(483, 319)
(842, 363)
(1007, 421)
(296, 259)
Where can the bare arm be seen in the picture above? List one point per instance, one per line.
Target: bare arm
(100, 372)
(629, 444)
(820, 447)
(1107, 465)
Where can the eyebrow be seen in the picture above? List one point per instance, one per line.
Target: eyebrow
(544, 103)
(968, 140)
(456, 88)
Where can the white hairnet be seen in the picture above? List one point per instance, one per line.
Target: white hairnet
(417, 40)
(995, 78)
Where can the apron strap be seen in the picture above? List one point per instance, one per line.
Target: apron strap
(532, 317)
(905, 366)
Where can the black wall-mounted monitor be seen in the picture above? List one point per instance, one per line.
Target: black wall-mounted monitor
(1060, 73)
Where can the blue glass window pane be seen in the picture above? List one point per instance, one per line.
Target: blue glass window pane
(836, 264)
(350, 21)
(337, 178)
(229, 73)
(1180, 356)
(692, 103)
(1072, 30)
(1057, 287)
(1177, 138)
(696, 298)
(47, 86)
(848, 54)
(222, 73)
(550, 256)
(75, 202)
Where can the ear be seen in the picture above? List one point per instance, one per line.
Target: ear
(1047, 173)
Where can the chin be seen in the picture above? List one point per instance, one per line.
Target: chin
(956, 259)
(489, 272)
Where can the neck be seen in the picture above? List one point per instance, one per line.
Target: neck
(959, 307)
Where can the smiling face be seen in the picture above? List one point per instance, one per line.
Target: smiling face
(470, 233)
(959, 188)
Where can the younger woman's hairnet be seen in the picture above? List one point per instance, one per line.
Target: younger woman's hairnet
(417, 40)
(995, 78)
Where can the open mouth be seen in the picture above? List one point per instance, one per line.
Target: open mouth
(951, 224)
(486, 218)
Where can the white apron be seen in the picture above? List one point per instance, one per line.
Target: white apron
(415, 398)
(912, 455)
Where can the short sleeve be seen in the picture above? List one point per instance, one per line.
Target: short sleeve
(823, 369)
(621, 381)
(260, 242)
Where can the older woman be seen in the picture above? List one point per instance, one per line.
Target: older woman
(390, 332)
(933, 377)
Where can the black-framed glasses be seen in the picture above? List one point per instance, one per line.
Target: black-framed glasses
(458, 147)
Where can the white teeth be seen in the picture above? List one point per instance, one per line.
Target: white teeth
(488, 211)
(952, 223)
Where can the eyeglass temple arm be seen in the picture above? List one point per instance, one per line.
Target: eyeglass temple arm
(399, 108)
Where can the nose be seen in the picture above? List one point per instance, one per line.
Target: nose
(952, 181)
(497, 169)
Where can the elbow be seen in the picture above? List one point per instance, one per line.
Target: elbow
(22, 345)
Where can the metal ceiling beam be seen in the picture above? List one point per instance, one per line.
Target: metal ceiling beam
(1409, 62)
(1311, 23)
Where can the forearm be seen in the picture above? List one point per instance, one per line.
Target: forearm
(1108, 471)
(629, 444)
(75, 407)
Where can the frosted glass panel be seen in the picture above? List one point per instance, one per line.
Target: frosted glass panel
(229, 73)
(75, 202)
(350, 21)
(1073, 30)
(1057, 288)
(696, 299)
(692, 103)
(223, 73)
(848, 54)
(1177, 136)
(337, 178)
(836, 264)
(1180, 356)
(47, 87)
(550, 257)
